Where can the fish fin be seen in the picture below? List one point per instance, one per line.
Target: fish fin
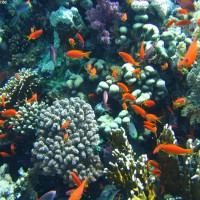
(87, 54)
(32, 29)
(28, 37)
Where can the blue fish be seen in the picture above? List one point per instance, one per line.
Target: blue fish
(21, 8)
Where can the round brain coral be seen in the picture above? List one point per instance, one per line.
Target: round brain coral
(53, 154)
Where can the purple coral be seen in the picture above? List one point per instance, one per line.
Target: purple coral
(102, 17)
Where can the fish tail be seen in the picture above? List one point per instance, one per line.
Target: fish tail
(28, 37)
(87, 54)
(190, 151)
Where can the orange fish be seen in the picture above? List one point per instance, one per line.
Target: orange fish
(32, 99)
(169, 23)
(12, 148)
(172, 149)
(182, 11)
(139, 110)
(4, 154)
(153, 118)
(149, 103)
(128, 58)
(93, 72)
(156, 172)
(79, 36)
(124, 17)
(92, 97)
(142, 51)
(3, 135)
(149, 123)
(72, 42)
(3, 101)
(17, 76)
(65, 125)
(190, 55)
(152, 129)
(179, 102)
(165, 66)
(2, 122)
(88, 68)
(198, 22)
(137, 72)
(123, 87)
(183, 22)
(75, 178)
(65, 137)
(78, 192)
(35, 34)
(152, 163)
(128, 97)
(10, 113)
(78, 54)
(114, 72)
(124, 106)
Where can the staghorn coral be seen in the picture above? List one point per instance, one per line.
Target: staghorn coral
(53, 155)
(128, 174)
(18, 88)
(29, 117)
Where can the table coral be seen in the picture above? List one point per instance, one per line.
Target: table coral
(54, 155)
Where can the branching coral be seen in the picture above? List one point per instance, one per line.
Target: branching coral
(19, 87)
(54, 154)
(126, 173)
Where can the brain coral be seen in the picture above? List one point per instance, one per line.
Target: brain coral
(53, 155)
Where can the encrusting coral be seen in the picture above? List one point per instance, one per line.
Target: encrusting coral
(59, 150)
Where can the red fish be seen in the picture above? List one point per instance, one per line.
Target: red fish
(123, 87)
(137, 72)
(114, 72)
(142, 52)
(72, 42)
(139, 110)
(152, 163)
(4, 135)
(35, 34)
(65, 125)
(190, 55)
(179, 102)
(149, 103)
(10, 113)
(124, 106)
(169, 23)
(3, 101)
(156, 172)
(4, 154)
(128, 58)
(12, 148)
(78, 54)
(124, 17)
(187, 4)
(183, 22)
(32, 99)
(128, 97)
(182, 11)
(2, 122)
(75, 178)
(78, 192)
(153, 118)
(153, 129)
(165, 66)
(79, 36)
(172, 149)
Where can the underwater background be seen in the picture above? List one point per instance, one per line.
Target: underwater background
(99, 100)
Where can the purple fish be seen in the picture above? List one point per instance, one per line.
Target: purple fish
(105, 99)
(53, 54)
(48, 196)
(187, 4)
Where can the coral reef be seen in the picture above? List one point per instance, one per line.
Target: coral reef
(102, 18)
(53, 154)
(29, 117)
(128, 174)
(19, 87)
